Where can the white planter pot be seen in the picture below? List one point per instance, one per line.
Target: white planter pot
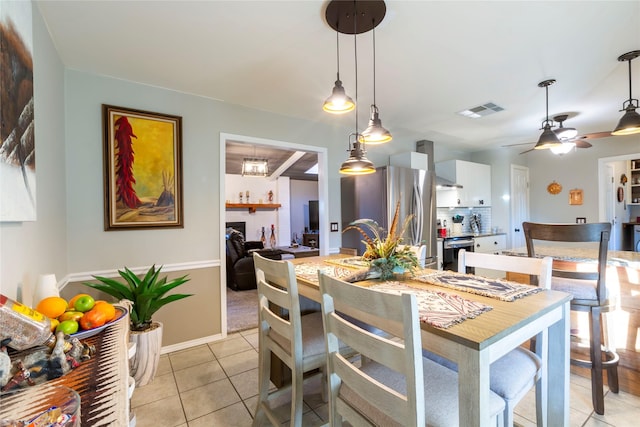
(145, 362)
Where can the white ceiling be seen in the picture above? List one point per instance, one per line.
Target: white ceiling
(433, 59)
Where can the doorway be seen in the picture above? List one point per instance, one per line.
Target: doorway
(322, 184)
(610, 171)
(519, 196)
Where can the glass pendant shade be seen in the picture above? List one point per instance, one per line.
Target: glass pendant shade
(563, 148)
(357, 163)
(548, 139)
(629, 124)
(375, 133)
(338, 102)
(255, 167)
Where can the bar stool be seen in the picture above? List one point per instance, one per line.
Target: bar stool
(590, 294)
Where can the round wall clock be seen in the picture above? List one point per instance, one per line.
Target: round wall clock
(554, 188)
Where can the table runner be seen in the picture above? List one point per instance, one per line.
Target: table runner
(438, 309)
(309, 271)
(503, 290)
(354, 262)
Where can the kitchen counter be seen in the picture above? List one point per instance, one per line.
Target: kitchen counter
(454, 235)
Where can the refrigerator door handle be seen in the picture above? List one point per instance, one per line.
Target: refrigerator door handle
(418, 209)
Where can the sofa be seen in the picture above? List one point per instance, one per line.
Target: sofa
(241, 274)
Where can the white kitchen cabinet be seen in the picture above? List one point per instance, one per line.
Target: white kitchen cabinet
(493, 244)
(475, 179)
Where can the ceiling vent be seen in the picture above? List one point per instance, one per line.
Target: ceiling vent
(481, 110)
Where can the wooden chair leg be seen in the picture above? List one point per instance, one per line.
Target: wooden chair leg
(595, 353)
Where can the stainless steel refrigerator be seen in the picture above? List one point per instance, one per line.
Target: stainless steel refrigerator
(375, 196)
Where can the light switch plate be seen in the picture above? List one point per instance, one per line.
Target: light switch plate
(334, 226)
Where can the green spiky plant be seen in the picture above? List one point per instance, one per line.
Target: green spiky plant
(382, 250)
(146, 294)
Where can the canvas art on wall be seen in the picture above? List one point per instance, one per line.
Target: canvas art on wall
(17, 148)
(143, 169)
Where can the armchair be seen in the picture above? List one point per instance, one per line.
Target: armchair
(241, 274)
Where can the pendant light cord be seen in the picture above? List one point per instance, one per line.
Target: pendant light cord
(355, 53)
(630, 96)
(374, 61)
(337, 53)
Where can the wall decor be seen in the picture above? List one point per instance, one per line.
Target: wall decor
(554, 188)
(575, 197)
(620, 194)
(17, 141)
(142, 169)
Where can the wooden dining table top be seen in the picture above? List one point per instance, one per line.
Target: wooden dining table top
(476, 333)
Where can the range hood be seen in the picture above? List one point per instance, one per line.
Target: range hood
(445, 183)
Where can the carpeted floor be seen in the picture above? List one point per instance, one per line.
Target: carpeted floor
(242, 310)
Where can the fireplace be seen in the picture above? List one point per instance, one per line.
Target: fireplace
(239, 226)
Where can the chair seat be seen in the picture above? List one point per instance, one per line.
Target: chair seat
(509, 376)
(440, 391)
(580, 289)
(312, 337)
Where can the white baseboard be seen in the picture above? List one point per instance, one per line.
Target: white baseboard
(188, 344)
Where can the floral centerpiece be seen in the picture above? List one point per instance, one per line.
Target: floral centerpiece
(384, 252)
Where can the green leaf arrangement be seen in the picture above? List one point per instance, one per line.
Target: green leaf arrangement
(382, 248)
(146, 294)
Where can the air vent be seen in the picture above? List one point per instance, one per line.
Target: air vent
(481, 110)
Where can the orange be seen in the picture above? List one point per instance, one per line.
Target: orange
(52, 306)
(108, 309)
(92, 319)
(72, 301)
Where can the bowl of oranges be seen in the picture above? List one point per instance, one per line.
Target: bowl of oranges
(81, 316)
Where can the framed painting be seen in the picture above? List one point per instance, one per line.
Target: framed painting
(142, 169)
(17, 138)
(575, 197)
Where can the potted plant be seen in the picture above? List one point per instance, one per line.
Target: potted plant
(146, 295)
(383, 250)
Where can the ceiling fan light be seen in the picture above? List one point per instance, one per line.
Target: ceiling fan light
(563, 148)
(255, 167)
(375, 134)
(338, 102)
(548, 139)
(629, 124)
(565, 133)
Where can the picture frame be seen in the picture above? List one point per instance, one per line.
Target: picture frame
(575, 197)
(142, 169)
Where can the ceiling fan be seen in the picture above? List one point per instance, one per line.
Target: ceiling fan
(568, 136)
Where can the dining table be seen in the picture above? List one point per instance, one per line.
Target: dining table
(478, 340)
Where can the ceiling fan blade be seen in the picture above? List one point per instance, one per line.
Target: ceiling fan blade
(580, 143)
(527, 151)
(516, 145)
(594, 135)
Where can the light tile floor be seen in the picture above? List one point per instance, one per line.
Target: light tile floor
(216, 385)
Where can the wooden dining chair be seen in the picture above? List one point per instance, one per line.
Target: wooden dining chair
(590, 294)
(513, 375)
(396, 386)
(297, 340)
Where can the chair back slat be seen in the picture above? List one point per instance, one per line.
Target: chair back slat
(403, 354)
(540, 268)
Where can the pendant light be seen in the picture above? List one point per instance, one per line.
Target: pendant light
(629, 124)
(548, 139)
(338, 102)
(357, 163)
(375, 133)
